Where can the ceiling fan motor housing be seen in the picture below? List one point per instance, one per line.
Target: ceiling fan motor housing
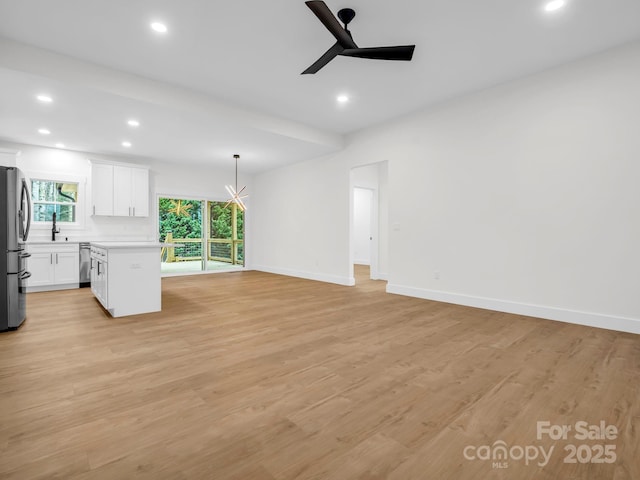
(346, 15)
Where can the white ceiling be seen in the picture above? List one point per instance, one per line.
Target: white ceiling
(226, 78)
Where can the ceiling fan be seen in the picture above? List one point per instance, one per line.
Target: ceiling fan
(345, 45)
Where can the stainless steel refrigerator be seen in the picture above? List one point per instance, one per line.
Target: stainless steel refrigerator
(15, 220)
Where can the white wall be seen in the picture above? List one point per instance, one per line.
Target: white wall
(301, 221)
(520, 198)
(165, 179)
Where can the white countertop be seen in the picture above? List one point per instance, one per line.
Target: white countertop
(50, 242)
(108, 245)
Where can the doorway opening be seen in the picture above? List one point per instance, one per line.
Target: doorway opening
(363, 222)
(369, 222)
(208, 235)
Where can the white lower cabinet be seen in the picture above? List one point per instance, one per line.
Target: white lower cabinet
(53, 267)
(126, 279)
(99, 275)
(41, 267)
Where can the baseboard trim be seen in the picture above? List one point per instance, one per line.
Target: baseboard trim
(320, 277)
(382, 276)
(52, 288)
(609, 322)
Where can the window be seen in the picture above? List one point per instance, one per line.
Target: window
(50, 196)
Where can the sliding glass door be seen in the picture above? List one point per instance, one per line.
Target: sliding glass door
(226, 235)
(209, 235)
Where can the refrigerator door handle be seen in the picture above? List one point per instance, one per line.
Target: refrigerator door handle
(25, 275)
(25, 255)
(25, 194)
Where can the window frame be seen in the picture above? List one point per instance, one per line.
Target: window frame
(59, 178)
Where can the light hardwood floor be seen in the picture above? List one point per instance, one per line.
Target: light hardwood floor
(253, 376)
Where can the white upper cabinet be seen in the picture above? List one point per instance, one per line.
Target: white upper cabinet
(140, 192)
(102, 189)
(120, 190)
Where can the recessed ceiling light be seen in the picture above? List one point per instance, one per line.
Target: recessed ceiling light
(45, 98)
(44, 131)
(59, 145)
(554, 5)
(126, 144)
(133, 123)
(342, 98)
(159, 27)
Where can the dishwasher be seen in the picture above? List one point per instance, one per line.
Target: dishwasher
(85, 264)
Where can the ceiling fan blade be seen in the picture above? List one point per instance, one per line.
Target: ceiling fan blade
(404, 52)
(331, 23)
(324, 59)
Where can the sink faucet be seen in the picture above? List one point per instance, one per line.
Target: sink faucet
(54, 230)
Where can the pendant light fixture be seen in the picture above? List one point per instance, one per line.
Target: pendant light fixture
(236, 196)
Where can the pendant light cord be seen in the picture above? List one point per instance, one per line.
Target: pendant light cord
(236, 156)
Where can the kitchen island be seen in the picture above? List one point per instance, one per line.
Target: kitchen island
(125, 276)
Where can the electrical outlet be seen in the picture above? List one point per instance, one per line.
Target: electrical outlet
(436, 275)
